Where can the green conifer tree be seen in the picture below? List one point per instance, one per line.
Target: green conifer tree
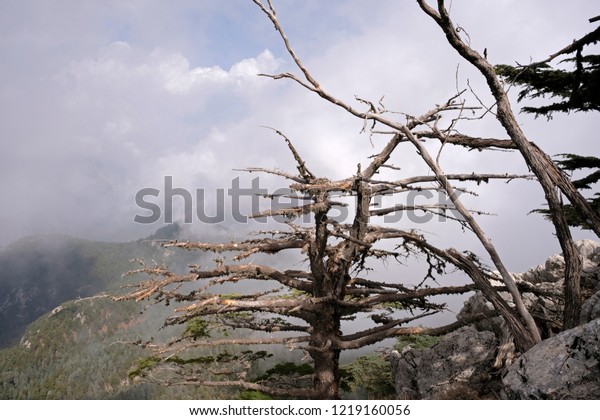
(575, 90)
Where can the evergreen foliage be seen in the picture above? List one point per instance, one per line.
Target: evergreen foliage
(576, 90)
(369, 377)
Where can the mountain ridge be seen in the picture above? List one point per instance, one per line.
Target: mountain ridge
(59, 339)
(39, 272)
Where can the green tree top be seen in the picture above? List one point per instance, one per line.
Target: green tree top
(576, 90)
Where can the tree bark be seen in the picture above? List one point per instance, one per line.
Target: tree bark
(326, 358)
(527, 330)
(548, 174)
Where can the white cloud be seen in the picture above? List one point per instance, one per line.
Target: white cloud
(180, 78)
(265, 62)
(121, 66)
(164, 101)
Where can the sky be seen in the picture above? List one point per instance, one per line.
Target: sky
(102, 100)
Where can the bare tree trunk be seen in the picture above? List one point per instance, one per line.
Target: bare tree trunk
(543, 167)
(326, 359)
(530, 334)
(572, 290)
(524, 340)
(548, 174)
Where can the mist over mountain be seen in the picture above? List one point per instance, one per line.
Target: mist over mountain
(62, 340)
(57, 338)
(37, 273)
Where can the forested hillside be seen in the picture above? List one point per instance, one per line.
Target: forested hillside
(38, 273)
(62, 340)
(56, 339)
(82, 350)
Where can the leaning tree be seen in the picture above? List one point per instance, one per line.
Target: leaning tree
(305, 307)
(553, 180)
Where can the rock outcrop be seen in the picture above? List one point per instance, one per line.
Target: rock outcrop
(467, 364)
(405, 369)
(457, 368)
(566, 366)
(590, 309)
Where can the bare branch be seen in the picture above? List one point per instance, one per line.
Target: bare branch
(272, 16)
(274, 172)
(243, 248)
(468, 141)
(399, 331)
(591, 37)
(302, 169)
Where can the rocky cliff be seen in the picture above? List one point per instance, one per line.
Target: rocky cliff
(479, 361)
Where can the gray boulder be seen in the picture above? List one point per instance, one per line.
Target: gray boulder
(548, 279)
(590, 270)
(469, 363)
(405, 364)
(553, 270)
(566, 366)
(459, 366)
(590, 310)
(456, 368)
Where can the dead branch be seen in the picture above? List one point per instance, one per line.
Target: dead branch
(282, 174)
(302, 169)
(243, 248)
(478, 143)
(545, 169)
(383, 333)
(577, 44)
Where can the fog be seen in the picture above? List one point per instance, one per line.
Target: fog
(100, 100)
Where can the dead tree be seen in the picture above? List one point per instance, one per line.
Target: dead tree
(308, 306)
(551, 178)
(525, 330)
(306, 309)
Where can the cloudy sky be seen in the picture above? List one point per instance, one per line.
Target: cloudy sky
(99, 100)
